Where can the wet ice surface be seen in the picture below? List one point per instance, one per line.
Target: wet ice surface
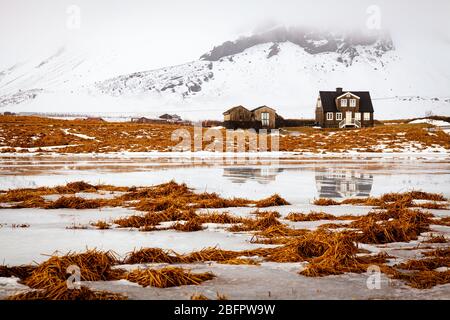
(276, 281)
(297, 179)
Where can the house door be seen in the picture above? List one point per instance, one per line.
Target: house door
(348, 118)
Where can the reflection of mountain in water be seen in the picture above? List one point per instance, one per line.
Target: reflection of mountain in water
(343, 183)
(261, 175)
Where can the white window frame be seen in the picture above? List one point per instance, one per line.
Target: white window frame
(358, 116)
(338, 115)
(329, 116)
(352, 102)
(342, 102)
(265, 119)
(366, 116)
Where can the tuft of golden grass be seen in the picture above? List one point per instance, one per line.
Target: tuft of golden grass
(272, 201)
(167, 277)
(152, 255)
(188, 226)
(60, 291)
(316, 216)
(222, 218)
(341, 257)
(403, 225)
(325, 202)
(20, 272)
(261, 223)
(198, 296)
(94, 266)
(421, 273)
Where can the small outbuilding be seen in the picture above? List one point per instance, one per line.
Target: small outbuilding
(263, 117)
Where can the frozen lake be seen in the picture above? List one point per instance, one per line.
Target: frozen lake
(298, 179)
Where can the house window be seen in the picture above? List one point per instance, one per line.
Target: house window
(352, 102)
(329, 115)
(366, 115)
(343, 102)
(358, 116)
(265, 119)
(339, 116)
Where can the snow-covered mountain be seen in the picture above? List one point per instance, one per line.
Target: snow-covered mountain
(283, 68)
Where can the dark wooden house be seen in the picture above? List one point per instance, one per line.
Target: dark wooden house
(344, 109)
(259, 118)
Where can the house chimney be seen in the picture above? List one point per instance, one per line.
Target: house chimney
(339, 90)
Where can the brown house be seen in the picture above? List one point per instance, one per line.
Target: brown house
(259, 118)
(344, 109)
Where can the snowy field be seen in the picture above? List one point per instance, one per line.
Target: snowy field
(297, 179)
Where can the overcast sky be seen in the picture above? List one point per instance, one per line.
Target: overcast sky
(172, 32)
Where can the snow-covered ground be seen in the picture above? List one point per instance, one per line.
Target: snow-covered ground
(444, 125)
(401, 86)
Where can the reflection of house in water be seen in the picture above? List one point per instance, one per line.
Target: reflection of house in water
(343, 183)
(262, 175)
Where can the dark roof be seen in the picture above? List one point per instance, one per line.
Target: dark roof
(262, 107)
(229, 110)
(328, 99)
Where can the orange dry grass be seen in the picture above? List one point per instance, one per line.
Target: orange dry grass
(210, 254)
(340, 257)
(444, 221)
(222, 218)
(424, 275)
(152, 255)
(29, 196)
(60, 291)
(77, 203)
(94, 266)
(17, 131)
(436, 239)
(315, 216)
(198, 296)
(167, 277)
(188, 226)
(261, 223)
(406, 225)
(389, 200)
(273, 201)
(20, 272)
(325, 202)
(239, 261)
(302, 248)
(432, 205)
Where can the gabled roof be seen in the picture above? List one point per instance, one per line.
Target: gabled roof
(262, 107)
(328, 100)
(231, 109)
(348, 93)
